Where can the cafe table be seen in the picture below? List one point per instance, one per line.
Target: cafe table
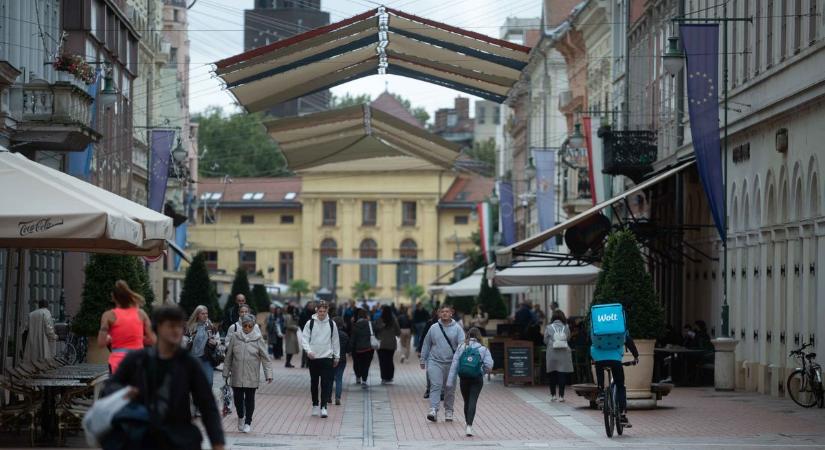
(677, 352)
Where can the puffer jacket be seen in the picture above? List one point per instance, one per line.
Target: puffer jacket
(244, 356)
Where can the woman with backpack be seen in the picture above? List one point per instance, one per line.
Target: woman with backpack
(558, 356)
(470, 362)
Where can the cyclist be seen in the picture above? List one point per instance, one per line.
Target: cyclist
(609, 354)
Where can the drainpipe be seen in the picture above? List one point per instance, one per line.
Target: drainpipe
(626, 110)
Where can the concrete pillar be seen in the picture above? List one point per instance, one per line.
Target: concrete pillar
(724, 364)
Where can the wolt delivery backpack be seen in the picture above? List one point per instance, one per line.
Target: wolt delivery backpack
(607, 331)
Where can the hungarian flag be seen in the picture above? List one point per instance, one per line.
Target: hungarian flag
(486, 230)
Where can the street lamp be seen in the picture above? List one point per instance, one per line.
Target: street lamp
(179, 153)
(108, 96)
(673, 59)
(530, 170)
(577, 138)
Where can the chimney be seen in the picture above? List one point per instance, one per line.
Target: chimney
(440, 120)
(462, 107)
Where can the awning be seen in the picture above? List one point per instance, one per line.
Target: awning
(379, 41)
(505, 257)
(180, 252)
(470, 286)
(544, 273)
(356, 133)
(48, 209)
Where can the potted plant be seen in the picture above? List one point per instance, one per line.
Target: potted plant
(75, 65)
(624, 280)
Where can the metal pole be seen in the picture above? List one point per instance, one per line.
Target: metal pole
(725, 307)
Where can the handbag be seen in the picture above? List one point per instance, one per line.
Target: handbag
(374, 342)
(214, 354)
(98, 420)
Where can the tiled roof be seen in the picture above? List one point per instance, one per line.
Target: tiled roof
(252, 190)
(389, 104)
(469, 189)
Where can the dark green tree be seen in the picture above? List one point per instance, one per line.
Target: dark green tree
(240, 285)
(349, 100)
(484, 151)
(236, 145)
(464, 305)
(624, 280)
(198, 289)
(489, 298)
(260, 298)
(102, 272)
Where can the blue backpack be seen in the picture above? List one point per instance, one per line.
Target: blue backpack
(470, 364)
(608, 331)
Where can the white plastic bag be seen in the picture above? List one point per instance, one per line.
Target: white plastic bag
(98, 419)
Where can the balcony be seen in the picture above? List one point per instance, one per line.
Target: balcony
(52, 117)
(628, 153)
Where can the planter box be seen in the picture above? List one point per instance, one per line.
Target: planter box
(96, 354)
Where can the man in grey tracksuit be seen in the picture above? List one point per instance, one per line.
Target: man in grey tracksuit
(440, 343)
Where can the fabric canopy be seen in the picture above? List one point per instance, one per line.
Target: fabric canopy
(536, 272)
(471, 286)
(48, 209)
(353, 134)
(379, 41)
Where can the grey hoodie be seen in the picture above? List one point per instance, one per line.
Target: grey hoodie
(436, 349)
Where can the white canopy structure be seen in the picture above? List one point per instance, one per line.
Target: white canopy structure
(470, 286)
(48, 209)
(536, 272)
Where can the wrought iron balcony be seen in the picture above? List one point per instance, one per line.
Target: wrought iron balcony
(52, 116)
(628, 153)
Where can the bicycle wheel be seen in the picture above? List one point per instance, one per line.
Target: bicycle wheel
(607, 412)
(617, 414)
(69, 354)
(801, 389)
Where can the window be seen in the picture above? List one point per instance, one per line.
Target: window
(797, 26)
(757, 61)
(369, 213)
(783, 29)
(329, 249)
(812, 21)
(330, 213)
(408, 213)
(209, 217)
(480, 114)
(94, 19)
(461, 220)
(497, 115)
(407, 270)
(285, 219)
(247, 261)
(173, 56)
(286, 271)
(746, 44)
(211, 258)
(368, 272)
(247, 219)
(253, 196)
(45, 276)
(769, 37)
(290, 196)
(452, 119)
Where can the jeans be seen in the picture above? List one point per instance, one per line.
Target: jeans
(438, 381)
(361, 364)
(557, 379)
(470, 390)
(419, 332)
(207, 369)
(618, 377)
(244, 403)
(386, 364)
(339, 376)
(321, 370)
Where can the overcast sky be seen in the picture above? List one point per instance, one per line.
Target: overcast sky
(216, 32)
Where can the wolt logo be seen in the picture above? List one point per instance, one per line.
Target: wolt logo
(607, 317)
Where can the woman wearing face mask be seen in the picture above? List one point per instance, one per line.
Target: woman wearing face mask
(245, 354)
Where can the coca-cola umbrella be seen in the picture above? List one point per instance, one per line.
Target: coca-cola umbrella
(48, 209)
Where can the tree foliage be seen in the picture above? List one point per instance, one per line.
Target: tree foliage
(260, 298)
(464, 305)
(299, 287)
(361, 289)
(489, 298)
(349, 100)
(240, 285)
(484, 151)
(198, 290)
(102, 272)
(414, 292)
(418, 112)
(624, 280)
(236, 145)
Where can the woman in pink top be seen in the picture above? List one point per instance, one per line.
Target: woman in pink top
(126, 327)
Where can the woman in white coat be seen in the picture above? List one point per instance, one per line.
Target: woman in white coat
(245, 354)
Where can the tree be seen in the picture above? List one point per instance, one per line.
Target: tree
(236, 145)
(414, 292)
(102, 272)
(240, 285)
(489, 298)
(418, 112)
(624, 280)
(260, 298)
(463, 305)
(484, 151)
(361, 289)
(198, 289)
(299, 288)
(349, 100)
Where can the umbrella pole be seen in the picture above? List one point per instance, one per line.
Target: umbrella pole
(18, 301)
(4, 337)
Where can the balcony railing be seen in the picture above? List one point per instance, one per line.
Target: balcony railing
(52, 116)
(628, 153)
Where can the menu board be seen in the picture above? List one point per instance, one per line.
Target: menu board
(496, 347)
(518, 362)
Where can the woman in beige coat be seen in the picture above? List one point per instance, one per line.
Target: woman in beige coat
(245, 355)
(290, 335)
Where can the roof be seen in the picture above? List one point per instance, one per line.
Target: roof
(282, 192)
(389, 104)
(468, 190)
(379, 41)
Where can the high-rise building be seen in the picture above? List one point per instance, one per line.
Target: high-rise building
(273, 20)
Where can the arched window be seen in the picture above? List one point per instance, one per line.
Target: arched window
(369, 272)
(407, 271)
(329, 249)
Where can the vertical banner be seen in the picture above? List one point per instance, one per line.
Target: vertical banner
(485, 229)
(701, 44)
(180, 240)
(80, 163)
(591, 172)
(506, 213)
(545, 162)
(159, 173)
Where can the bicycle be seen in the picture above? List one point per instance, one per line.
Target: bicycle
(804, 384)
(610, 407)
(70, 347)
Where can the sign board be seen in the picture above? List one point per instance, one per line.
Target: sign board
(496, 347)
(518, 362)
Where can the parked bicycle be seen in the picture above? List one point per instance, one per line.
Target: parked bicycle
(70, 347)
(805, 383)
(610, 405)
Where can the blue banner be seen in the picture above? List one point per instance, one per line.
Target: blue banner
(506, 213)
(180, 240)
(545, 162)
(80, 163)
(159, 167)
(701, 44)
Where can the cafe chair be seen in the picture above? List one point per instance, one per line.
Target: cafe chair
(24, 409)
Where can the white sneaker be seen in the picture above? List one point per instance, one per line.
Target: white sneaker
(247, 428)
(448, 415)
(432, 416)
(240, 423)
(552, 398)
(324, 413)
(316, 410)
(469, 430)
(561, 399)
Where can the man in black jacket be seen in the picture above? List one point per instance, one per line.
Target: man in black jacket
(164, 377)
(231, 314)
(303, 318)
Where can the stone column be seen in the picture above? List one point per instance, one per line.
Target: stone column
(724, 361)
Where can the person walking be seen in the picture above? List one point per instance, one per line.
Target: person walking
(558, 355)
(275, 332)
(126, 327)
(419, 318)
(291, 346)
(388, 332)
(237, 326)
(41, 336)
(470, 362)
(323, 349)
(430, 322)
(361, 347)
(303, 318)
(201, 338)
(232, 313)
(405, 324)
(343, 343)
(164, 377)
(437, 353)
(245, 355)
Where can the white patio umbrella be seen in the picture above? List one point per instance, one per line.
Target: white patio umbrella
(44, 208)
(471, 285)
(544, 273)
